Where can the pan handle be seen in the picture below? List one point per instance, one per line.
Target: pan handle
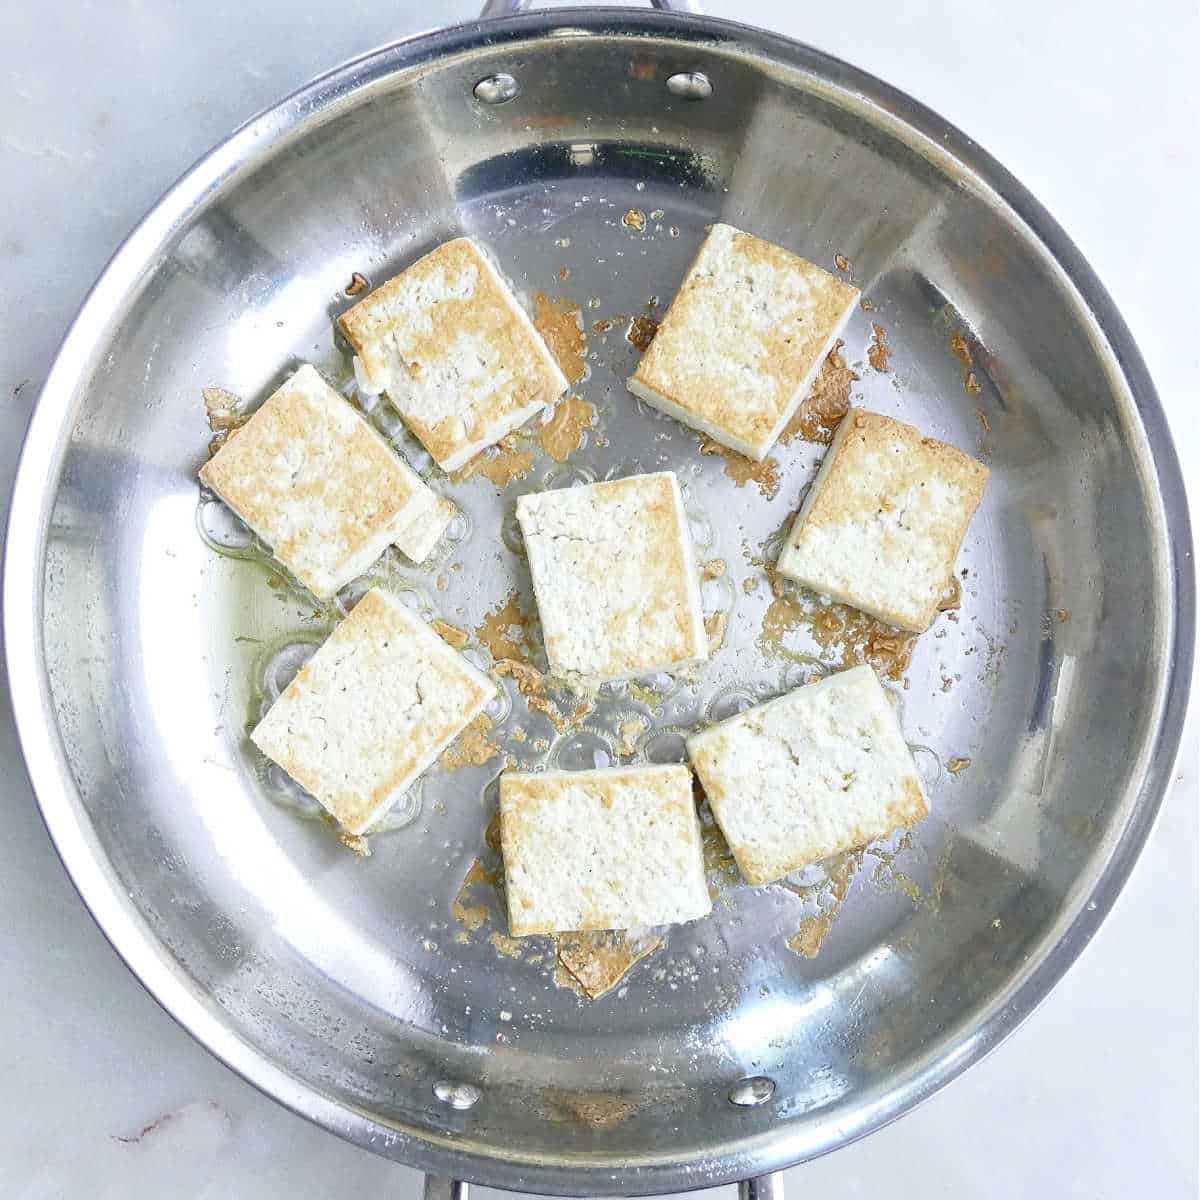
(763, 1187)
(442, 1187)
(509, 8)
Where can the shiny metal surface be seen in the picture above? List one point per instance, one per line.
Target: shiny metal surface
(510, 8)
(137, 652)
(438, 1187)
(767, 1187)
(497, 89)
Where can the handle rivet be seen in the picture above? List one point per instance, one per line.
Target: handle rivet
(749, 1093)
(457, 1095)
(690, 85)
(497, 89)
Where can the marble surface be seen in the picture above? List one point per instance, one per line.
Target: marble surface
(106, 102)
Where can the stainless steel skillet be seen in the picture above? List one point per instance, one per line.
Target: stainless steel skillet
(313, 973)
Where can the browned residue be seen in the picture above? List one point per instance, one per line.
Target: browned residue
(509, 947)
(1062, 615)
(644, 66)
(564, 273)
(564, 432)
(225, 416)
(561, 325)
(357, 285)
(866, 305)
(841, 262)
(504, 631)
(641, 332)
(863, 639)
(743, 470)
(477, 917)
(597, 962)
(840, 871)
(961, 349)
(504, 463)
(628, 733)
(827, 402)
(565, 980)
(634, 219)
(714, 568)
(596, 1110)
(846, 636)
(784, 614)
(532, 684)
(829, 894)
(491, 837)
(951, 595)
(356, 843)
(603, 325)
(957, 765)
(879, 350)
(644, 694)
(807, 940)
(715, 626)
(451, 634)
(473, 747)
(472, 916)
(983, 420)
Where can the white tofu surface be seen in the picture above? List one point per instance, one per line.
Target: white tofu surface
(611, 849)
(615, 577)
(455, 353)
(743, 340)
(373, 708)
(818, 771)
(419, 537)
(322, 488)
(884, 519)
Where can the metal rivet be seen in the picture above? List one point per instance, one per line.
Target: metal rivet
(748, 1093)
(497, 89)
(690, 85)
(457, 1095)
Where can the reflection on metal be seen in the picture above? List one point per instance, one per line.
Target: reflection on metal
(690, 85)
(497, 89)
(750, 1093)
(457, 1095)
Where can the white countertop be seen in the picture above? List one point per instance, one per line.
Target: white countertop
(1093, 107)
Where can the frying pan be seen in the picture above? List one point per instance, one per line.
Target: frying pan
(145, 631)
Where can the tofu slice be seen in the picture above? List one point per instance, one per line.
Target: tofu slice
(371, 710)
(418, 537)
(743, 340)
(884, 519)
(456, 354)
(818, 771)
(612, 849)
(322, 488)
(615, 578)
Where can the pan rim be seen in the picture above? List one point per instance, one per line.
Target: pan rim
(62, 807)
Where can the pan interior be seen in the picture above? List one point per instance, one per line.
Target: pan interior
(1033, 705)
